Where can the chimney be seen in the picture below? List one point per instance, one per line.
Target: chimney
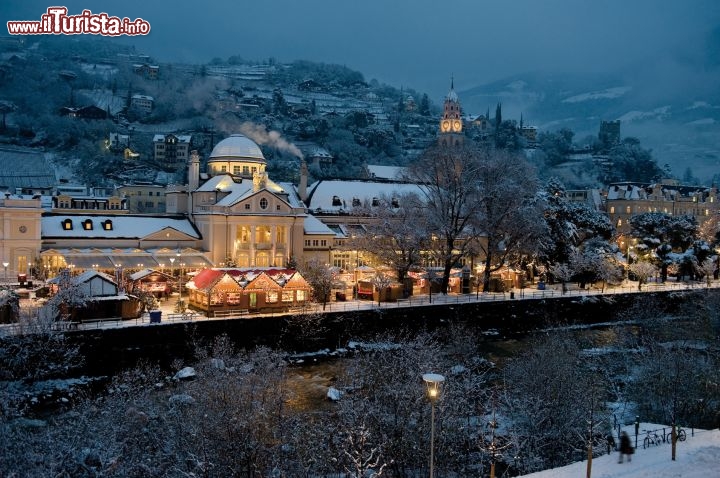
(302, 187)
(194, 171)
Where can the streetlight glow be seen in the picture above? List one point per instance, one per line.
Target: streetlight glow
(433, 382)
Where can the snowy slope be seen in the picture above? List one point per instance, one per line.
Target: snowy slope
(697, 457)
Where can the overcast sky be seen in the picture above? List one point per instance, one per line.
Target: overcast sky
(415, 43)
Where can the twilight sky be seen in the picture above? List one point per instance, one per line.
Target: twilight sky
(415, 43)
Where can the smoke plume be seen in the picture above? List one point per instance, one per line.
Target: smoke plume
(260, 135)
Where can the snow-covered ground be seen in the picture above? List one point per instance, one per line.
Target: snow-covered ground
(697, 457)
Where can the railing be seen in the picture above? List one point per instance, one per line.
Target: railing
(552, 291)
(231, 313)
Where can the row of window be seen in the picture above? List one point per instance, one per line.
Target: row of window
(246, 170)
(336, 201)
(87, 224)
(315, 243)
(692, 212)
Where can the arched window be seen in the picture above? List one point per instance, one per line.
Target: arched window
(336, 201)
(87, 225)
(67, 225)
(107, 225)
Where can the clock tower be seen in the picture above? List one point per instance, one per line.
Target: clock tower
(451, 122)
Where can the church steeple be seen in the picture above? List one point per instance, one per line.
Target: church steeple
(451, 122)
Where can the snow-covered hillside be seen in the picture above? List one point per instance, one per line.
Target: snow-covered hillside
(697, 457)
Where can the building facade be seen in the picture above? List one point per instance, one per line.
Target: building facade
(172, 150)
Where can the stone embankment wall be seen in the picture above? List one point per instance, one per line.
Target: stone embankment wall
(109, 350)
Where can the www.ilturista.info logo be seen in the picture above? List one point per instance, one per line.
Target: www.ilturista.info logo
(57, 22)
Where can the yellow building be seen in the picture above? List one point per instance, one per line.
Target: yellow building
(244, 218)
(625, 200)
(20, 234)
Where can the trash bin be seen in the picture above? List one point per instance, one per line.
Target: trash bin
(155, 316)
(541, 286)
(512, 294)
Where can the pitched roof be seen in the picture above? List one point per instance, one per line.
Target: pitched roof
(123, 226)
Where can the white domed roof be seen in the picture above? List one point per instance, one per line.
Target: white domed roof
(237, 146)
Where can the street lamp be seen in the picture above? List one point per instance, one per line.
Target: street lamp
(433, 382)
(5, 265)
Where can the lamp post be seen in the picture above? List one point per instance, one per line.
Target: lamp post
(5, 265)
(172, 263)
(433, 382)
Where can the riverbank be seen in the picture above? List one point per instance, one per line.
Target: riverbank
(108, 349)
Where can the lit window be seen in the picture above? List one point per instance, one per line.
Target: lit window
(287, 296)
(612, 209)
(87, 225)
(67, 225)
(107, 225)
(619, 223)
(263, 203)
(272, 296)
(628, 210)
(300, 295)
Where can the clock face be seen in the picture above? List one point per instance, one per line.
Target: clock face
(457, 125)
(445, 125)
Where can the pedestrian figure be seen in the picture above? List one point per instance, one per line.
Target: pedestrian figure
(625, 447)
(610, 443)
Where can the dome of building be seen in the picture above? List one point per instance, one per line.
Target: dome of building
(236, 147)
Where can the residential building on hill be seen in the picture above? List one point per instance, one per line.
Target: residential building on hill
(625, 200)
(171, 149)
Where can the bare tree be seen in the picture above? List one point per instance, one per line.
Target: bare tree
(449, 179)
(398, 235)
(508, 213)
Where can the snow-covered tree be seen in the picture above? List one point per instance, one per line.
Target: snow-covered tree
(661, 234)
(321, 278)
(398, 235)
(570, 223)
(642, 271)
(69, 298)
(507, 214)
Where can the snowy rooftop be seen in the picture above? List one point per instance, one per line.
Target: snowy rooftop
(323, 193)
(24, 169)
(313, 225)
(123, 226)
(182, 138)
(386, 172)
(236, 189)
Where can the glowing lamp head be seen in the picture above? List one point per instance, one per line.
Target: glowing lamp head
(434, 383)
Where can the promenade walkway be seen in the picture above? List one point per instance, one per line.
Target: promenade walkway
(168, 315)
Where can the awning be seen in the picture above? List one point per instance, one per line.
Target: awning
(89, 262)
(132, 259)
(194, 261)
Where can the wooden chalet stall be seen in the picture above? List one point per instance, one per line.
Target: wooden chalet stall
(236, 291)
(148, 280)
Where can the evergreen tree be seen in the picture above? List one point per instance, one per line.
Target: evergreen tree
(498, 115)
(425, 105)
